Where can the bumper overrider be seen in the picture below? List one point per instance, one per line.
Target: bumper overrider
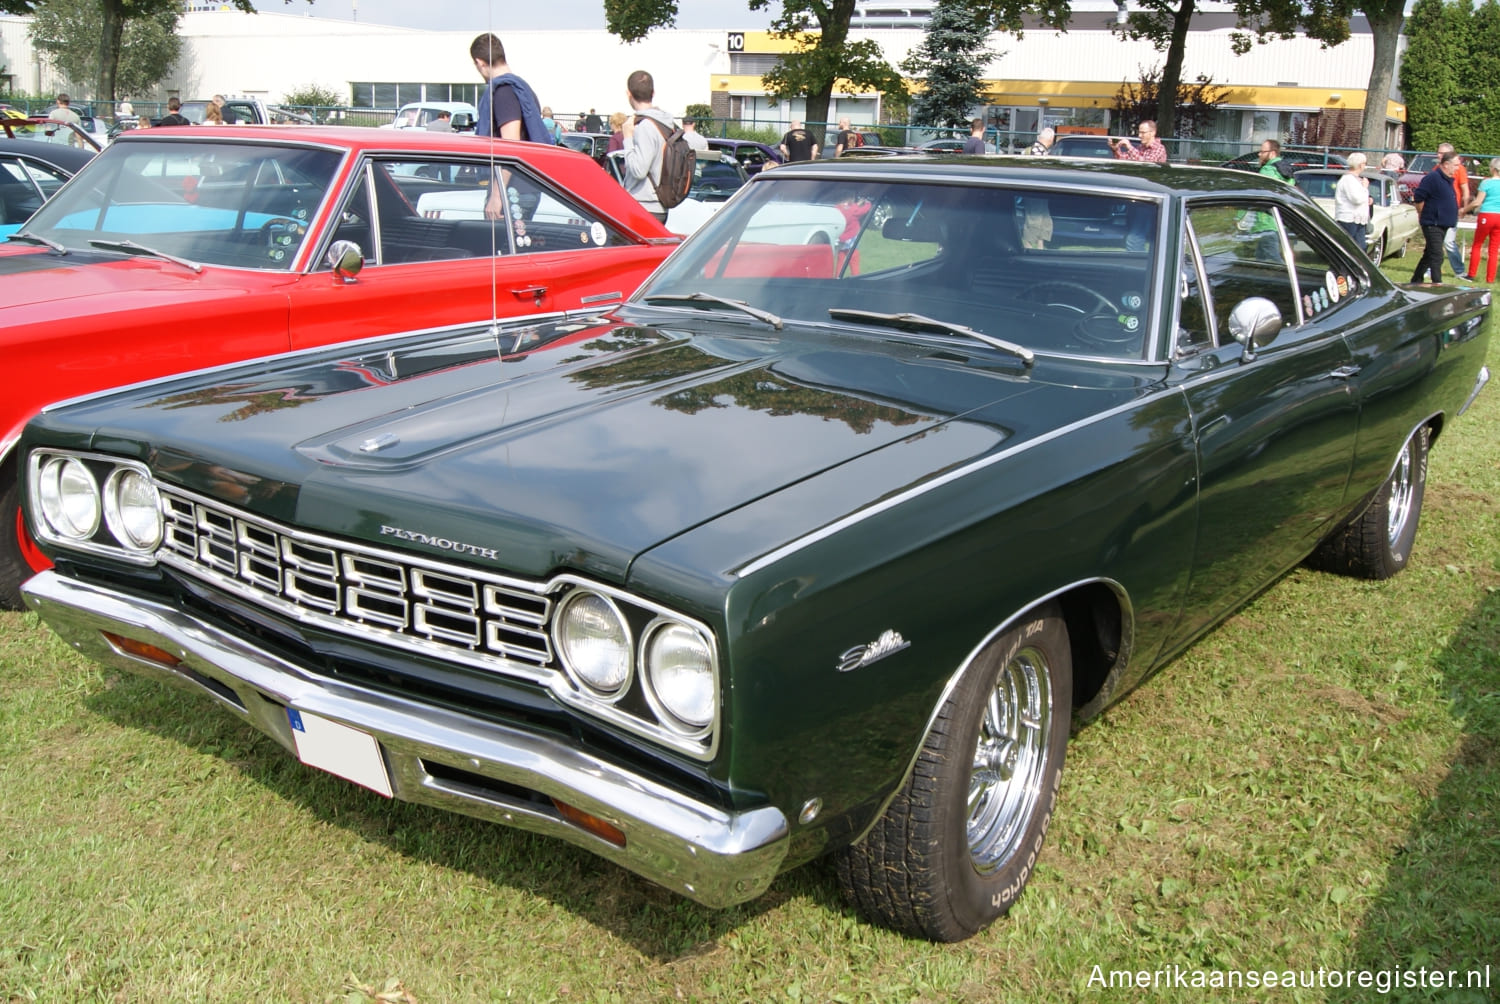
(419, 753)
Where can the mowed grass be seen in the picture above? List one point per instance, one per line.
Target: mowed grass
(1316, 784)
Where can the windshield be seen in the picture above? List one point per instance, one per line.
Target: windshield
(1046, 269)
(217, 203)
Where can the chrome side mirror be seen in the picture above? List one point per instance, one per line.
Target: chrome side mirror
(346, 259)
(1254, 323)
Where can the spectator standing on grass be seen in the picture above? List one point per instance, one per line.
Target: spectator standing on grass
(441, 122)
(550, 122)
(1487, 204)
(226, 115)
(1436, 200)
(644, 145)
(1461, 191)
(508, 109)
(975, 142)
(1351, 200)
(616, 132)
(212, 115)
(174, 116)
(592, 122)
(1151, 148)
(1393, 162)
(798, 144)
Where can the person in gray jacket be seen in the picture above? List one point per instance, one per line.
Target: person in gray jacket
(644, 142)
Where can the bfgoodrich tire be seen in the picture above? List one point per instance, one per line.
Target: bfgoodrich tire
(1378, 543)
(958, 843)
(13, 567)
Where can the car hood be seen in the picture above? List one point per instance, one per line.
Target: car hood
(36, 277)
(590, 442)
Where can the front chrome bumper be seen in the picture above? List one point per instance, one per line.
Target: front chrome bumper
(715, 857)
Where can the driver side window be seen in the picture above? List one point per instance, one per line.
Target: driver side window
(1242, 257)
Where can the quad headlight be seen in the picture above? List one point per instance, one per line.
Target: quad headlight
(593, 639)
(132, 509)
(681, 683)
(69, 498)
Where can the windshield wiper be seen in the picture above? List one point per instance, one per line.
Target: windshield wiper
(131, 247)
(31, 238)
(740, 305)
(921, 323)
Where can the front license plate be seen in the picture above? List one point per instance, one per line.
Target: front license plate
(339, 749)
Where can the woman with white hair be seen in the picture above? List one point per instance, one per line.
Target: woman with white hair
(1351, 200)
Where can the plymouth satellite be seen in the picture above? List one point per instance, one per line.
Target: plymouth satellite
(819, 544)
(181, 248)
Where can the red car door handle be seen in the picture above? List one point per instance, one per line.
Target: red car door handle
(535, 292)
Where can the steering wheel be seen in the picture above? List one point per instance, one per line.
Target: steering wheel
(1101, 322)
(281, 233)
(1045, 292)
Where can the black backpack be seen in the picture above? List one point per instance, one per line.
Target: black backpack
(1286, 170)
(678, 160)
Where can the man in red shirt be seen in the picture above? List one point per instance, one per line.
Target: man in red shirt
(1150, 149)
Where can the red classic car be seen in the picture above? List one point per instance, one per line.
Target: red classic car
(183, 248)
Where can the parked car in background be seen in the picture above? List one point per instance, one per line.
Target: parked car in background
(752, 156)
(594, 144)
(1296, 160)
(1423, 163)
(1081, 145)
(184, 248)
(421, 114)
(1393, 222)
(816, 545)
(40, 129)
(31, 172)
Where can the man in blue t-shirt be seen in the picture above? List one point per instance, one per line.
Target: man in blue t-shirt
(508, 108)
(1437, 211)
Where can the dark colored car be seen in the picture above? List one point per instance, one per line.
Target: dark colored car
(1296, 160)
(750, 155)
(595, 144)
(816, 545)
(1077, 145)
(30, 172)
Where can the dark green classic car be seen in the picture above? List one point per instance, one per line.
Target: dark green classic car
(820, 544)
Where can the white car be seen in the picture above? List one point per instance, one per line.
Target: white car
(1393, 223)
(418, 114)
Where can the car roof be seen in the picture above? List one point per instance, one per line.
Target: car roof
(1078, 175)
(69, 158)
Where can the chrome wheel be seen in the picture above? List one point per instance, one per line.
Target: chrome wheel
(1010, 759)
(1377, 250)
(1403, 492)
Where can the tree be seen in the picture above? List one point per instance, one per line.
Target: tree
(68, 31)
(112, 16)
(823, 56)
(950, 61)
(1434, 74)
(1194, 108)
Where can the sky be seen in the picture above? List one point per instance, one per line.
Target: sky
(517, 15)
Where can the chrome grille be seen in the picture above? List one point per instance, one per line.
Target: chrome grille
(426, 605)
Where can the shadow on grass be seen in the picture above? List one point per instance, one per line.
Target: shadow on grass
(1440, 907)
(660, 924)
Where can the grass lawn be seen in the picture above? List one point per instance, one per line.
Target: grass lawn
(1317, 784)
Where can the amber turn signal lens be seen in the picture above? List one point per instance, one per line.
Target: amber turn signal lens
(592, 824)
(141, 650)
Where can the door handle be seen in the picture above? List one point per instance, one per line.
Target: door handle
(535, 292)
(1344, 373)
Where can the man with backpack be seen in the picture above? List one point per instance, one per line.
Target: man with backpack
(656, 151)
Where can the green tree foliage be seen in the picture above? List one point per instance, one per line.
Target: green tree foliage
(68, 31)
(111, 18)
(950, 62)
(313, 96)
(1437, 75)
(823, 54)
(1195, 107)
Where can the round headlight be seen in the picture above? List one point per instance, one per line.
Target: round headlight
(680, 676)
(594, 642)
(69, 498)
(132, 509)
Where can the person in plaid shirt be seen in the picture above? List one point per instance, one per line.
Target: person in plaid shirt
(1150, 149)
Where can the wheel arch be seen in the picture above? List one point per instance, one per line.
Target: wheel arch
(1100, 622)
